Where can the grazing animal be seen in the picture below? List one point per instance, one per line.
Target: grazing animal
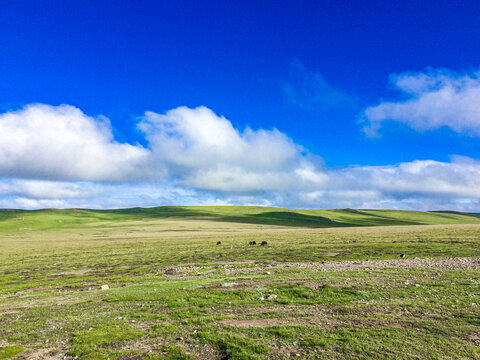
(252, 243)
(263, 243)
(219, 243)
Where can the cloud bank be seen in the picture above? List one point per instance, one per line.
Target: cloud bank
(431, 100)
(57, 156)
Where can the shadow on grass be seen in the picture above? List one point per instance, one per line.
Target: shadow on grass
(364, 218)
(246, 215)
(280, 218)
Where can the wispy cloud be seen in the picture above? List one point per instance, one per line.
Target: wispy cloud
(310, 90)
(431, 100)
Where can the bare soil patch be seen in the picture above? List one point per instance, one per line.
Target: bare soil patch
(246, 323)
(73, 272)
(182, 277)
(130, 357)
(50, 353)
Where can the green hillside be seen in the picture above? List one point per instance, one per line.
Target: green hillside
(185, 283)
(56, 218)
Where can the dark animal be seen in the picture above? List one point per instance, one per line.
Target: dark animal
(263, 243)
(252, 243)
(219, 243)
(402, 255)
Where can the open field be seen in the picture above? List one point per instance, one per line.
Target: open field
(337, 284)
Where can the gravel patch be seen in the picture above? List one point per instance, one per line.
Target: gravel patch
(441, 264)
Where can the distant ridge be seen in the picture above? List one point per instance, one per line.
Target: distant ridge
(52, 218)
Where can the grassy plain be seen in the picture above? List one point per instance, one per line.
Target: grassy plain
(174, 294)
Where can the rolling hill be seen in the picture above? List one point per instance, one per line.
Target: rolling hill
(53, 218)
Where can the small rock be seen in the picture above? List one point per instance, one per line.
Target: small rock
(269, 273)
(402, 255)
(261, 298)
(171, 271)
(179, 338)
(105, 287)
(272, 297)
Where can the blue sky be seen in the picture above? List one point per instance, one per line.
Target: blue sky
(357, 103)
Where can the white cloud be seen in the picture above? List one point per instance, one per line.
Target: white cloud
(27, 194)
(192, 147)
(459, 178)
(27, 203)
(420, 184)
(62, 143)
(60, 157)
(434, 99)
(202, 150)
(41, 189)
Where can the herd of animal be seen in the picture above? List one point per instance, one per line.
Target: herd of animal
(250, 243)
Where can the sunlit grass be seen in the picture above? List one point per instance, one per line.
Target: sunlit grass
(232, 301)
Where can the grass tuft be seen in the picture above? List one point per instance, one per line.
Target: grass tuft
(7, 352)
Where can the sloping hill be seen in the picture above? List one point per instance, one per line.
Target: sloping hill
(53, 218)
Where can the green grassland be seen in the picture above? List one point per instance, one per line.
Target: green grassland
(174, 294)
(54, 218)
